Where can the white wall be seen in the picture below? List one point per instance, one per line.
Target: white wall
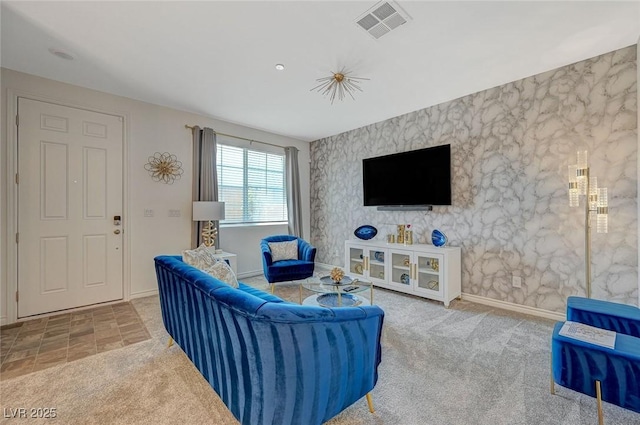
(243, 239)
(150, 128)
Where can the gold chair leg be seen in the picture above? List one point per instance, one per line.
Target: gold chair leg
(599, 398)
(273, 287)
(370, 403)
(553, 387)
(170, 343)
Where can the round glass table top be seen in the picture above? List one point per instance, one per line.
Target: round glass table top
(324, 285)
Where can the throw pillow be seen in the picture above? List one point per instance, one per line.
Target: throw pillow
(284, 250)
(223, 272)
(200, 258)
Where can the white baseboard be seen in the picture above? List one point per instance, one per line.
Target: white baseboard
(325, 265)
(143, 294)
(249, 274)
(534, 311)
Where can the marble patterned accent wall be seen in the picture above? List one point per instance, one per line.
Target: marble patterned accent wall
(511, 146)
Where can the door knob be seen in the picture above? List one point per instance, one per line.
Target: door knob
(117, 231)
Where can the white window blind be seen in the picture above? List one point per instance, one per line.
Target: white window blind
(251, 184)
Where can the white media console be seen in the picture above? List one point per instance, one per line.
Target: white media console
(423, 270)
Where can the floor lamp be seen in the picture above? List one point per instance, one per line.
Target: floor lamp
(595, 204)
(208, 211)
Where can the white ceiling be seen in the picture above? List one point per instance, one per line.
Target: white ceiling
(217, 58)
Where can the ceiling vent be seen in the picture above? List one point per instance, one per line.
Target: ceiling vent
(382, 19)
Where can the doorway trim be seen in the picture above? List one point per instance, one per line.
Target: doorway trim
(11, 162)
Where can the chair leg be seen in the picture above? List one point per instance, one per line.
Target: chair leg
(170, 342)
(599, 399)
(273, 287)
(370, 403)
(553, 387)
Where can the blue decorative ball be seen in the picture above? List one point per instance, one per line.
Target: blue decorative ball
(438, 238)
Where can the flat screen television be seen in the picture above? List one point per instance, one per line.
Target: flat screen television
(414, 178)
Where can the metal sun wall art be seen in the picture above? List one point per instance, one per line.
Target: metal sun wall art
(164, 167)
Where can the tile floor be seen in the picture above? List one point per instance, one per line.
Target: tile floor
(41, 343)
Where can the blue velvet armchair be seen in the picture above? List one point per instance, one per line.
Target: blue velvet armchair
(285, 270)
(609, 374)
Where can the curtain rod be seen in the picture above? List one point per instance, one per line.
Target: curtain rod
(238, 137)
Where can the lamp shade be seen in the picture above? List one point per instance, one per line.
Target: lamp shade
(208, 210)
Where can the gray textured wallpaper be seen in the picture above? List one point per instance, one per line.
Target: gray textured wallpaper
(511, 146)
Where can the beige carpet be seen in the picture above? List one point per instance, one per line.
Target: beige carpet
(469, 364)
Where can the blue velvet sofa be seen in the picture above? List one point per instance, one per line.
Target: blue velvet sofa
(270, 361)
(282, 271)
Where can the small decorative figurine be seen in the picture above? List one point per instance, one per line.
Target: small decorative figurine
(336, 274)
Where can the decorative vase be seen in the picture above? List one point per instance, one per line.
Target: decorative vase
(438, 238)
(365, 232)
(400, 237)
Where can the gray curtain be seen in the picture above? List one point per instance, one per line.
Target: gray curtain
(292, 178)
(205, 176)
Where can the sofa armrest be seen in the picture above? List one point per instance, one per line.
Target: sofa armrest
(621, 318)
(267, 259)
(332, 353)
(306, 251)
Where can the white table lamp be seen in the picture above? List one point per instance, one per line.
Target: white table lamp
(208, 211)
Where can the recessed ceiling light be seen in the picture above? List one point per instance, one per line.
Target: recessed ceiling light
(61, 54)
(279, 67)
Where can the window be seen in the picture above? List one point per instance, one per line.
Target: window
(251, 184)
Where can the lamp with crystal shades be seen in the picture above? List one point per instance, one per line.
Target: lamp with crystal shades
(596, 206)
(208, 211)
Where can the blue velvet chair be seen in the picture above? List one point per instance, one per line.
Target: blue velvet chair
(609, 374)
(285, 270)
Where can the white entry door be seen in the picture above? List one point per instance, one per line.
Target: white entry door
(69, 191)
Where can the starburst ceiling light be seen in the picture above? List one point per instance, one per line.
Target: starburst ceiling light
(338, 84)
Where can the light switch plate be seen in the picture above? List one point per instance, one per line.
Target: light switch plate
(516, 282)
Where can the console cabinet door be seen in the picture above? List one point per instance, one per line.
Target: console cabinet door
(400, 275)
(428, 274)
(377, 265)
(356, 261)
(366, 263)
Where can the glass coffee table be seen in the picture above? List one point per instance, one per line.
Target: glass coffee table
(329, 294)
